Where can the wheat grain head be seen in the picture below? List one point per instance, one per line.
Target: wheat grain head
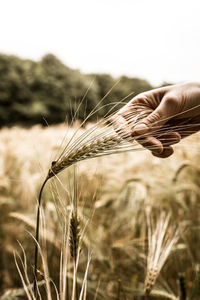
(161, 239)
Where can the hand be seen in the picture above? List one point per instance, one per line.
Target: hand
(168, 115)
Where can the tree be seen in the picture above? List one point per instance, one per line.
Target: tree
(31, 91)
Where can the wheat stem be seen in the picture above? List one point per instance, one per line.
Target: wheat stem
(182, 286)
(37, 232)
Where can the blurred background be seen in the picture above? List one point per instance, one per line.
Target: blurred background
(53, 54)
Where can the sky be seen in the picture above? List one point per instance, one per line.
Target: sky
(156, 40)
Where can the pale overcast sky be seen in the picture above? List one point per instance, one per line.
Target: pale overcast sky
(154, 39)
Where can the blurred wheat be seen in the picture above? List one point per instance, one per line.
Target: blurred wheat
(161, 238)
(118, 232)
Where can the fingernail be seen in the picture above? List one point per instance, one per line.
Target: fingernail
(140, 129)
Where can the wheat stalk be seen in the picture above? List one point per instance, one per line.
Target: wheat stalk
(196, 285)
(182, 286)
(115, 137)
(112, 138)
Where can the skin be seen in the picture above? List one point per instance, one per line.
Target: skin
(172, 113)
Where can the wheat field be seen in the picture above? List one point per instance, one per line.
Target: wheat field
(138, 219)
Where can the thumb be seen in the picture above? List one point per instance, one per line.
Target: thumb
(155, 120)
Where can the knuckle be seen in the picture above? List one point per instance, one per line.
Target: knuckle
(139, 96)
(171, 100)
(140, 99)
(153, 118)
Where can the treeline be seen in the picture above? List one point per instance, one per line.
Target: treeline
(32, 92)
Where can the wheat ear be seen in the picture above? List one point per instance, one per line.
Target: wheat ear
(74, 239)
(161, 239)
(89, 150)
(151, 279)
(74, 235)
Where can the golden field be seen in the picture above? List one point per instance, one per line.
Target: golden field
(120, 197)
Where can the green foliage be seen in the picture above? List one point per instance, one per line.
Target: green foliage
(33, 91)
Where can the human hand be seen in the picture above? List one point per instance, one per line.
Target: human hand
(169, 114)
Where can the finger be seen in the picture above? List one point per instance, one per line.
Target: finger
(151, 143)
(155, 120)
(188, 130)
(184, 127)
(169, 138)
(166, 152)
(158, 143)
